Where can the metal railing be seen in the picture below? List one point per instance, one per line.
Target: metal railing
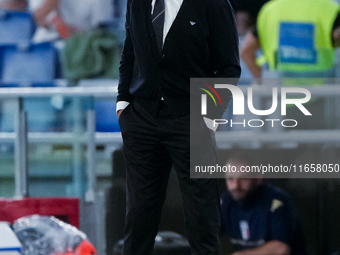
(21, 137)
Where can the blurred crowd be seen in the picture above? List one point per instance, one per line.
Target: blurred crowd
(260, 48)
(61, 18)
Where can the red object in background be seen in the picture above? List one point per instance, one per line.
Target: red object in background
(63, 208)
(84, 248)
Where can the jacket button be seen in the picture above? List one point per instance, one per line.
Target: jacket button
(163, 55)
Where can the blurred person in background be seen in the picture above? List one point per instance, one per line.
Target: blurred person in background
(257, 217)
(61, 18)
(78, 16)
(295, 35)
(17, 5)
(298, 39)
(246, 12)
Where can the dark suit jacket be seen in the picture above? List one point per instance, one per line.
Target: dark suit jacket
(202, 42)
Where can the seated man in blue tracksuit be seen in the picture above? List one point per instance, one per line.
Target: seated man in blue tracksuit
(259, 218)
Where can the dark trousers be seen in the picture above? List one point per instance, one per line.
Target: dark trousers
(154, 140)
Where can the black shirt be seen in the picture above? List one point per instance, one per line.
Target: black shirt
(266, 216)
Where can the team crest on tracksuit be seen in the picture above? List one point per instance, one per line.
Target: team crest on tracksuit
(244, 227)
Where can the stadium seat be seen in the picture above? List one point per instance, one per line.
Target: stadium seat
(16, 27)
(23, 65)
(27, 64)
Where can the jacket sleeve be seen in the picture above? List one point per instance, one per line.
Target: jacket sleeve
(126, 62)
(224, 46)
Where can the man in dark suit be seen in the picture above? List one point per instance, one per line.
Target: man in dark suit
(166, 44)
